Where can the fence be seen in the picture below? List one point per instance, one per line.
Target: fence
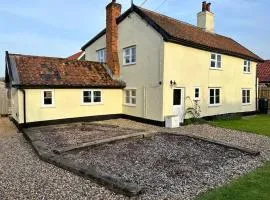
(264, 92)
(4, 101)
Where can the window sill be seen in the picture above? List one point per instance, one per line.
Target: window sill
(218, 69)
(130, 105)
(91, 104)
(247, 72)
(129, 64)
(214, 105)
(196, 99)
(246, 104)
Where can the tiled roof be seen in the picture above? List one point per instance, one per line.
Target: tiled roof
(75, 56)
(186, 34)
(263, 72)
(37, 71)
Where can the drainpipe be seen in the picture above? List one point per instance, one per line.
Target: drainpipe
(24, 107)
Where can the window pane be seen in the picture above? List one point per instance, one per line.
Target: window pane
(197, 92)
(127, 100)
(248, 93)
(217, 100)
(212, 100)
(48, 101)
(133, 59)
(217, 92)
(87, 99)
(243, 99)
(248, 99)
(97, 93)
(134, 93)
(245, 68)
(97, 99)
(86, 93)
(243, 93)
(47, 94)
(219, 58)
(213, 56)
(127, 93)
(219, 65)
(133, 100)
(245, 62)
(127, 60)
(213, 64)
(177, 97)
(127, 52)
(212, 92)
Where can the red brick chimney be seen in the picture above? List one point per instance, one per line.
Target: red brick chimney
(113, 11)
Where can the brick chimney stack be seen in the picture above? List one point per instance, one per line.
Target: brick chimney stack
(113, 11)
(205, 18)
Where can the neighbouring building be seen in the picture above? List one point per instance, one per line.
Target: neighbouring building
(263, 73)
(143, 65)
(77, 56)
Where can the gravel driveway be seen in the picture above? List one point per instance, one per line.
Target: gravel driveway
(168, 166)
(24, 176)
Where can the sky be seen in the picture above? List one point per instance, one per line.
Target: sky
(60, 28)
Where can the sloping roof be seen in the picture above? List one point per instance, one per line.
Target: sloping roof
(76, 56)
(39, 72)
(263, 72)
(186, 34)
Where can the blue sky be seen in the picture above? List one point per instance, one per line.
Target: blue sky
(61, 27)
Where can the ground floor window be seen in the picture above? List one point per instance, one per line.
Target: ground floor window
(130, 97)
(197, 94)
(246, 96)
(214, 96)
(92, 97)
(47, 99)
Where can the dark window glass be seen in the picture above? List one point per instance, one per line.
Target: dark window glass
(177, 97)
(212, 92)
(217, 100)
(87, 99)
(47, 98)
(197, 92)
(48, 101)
(212, 100)
(217, 92)
(213, 64)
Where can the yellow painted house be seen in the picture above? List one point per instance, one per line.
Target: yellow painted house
(144, 66)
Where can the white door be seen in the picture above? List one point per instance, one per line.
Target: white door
(179, 103)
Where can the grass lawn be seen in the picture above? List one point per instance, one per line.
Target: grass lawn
(259, 124)
(254, 186)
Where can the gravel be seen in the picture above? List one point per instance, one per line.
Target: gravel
(244, 139)
(168, 166)
(24, 176)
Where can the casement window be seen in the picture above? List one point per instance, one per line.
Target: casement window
(130, 97)
(247, 66)
(197, 93)
(246, 96)
(129, 55)
(47, 98)
(216, 61)
(101, 55)
(214, 96)
(92, 97)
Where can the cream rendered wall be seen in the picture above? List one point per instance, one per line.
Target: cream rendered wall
(190, 67)
(68, 104)
(17, 105)
(146, 74)
(91, 51)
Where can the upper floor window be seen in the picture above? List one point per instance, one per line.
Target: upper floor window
(101, 55)
(216, 61)
(246, 96)
(214, 96)
(129, 55)
(47, 99)
(130, 97)
(247, 66)
(92, 97)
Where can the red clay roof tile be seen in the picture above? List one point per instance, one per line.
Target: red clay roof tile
(263, 72)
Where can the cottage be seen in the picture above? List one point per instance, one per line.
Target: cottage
(143, 65)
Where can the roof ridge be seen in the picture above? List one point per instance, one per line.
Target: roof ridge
(28, 55)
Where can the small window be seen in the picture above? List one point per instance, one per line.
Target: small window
(216, 61)
(246, 96)
(47, 98)
(130, 97)
(101, 55)
(197, 93)
(214, 96)
(129, 55)
(92, 97)
(247, 66)
(176, 97)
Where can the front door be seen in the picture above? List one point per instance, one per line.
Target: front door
(178, 103)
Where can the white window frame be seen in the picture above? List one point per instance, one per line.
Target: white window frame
(43, 105)
(216, 61)
(246, 96)
(92, 97)
(130, 97)
(247, 66)
(103, 58)
(129, 55)
(194, 97)
(220, 99)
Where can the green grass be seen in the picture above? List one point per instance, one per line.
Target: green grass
(254, 186)
(259, 124)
